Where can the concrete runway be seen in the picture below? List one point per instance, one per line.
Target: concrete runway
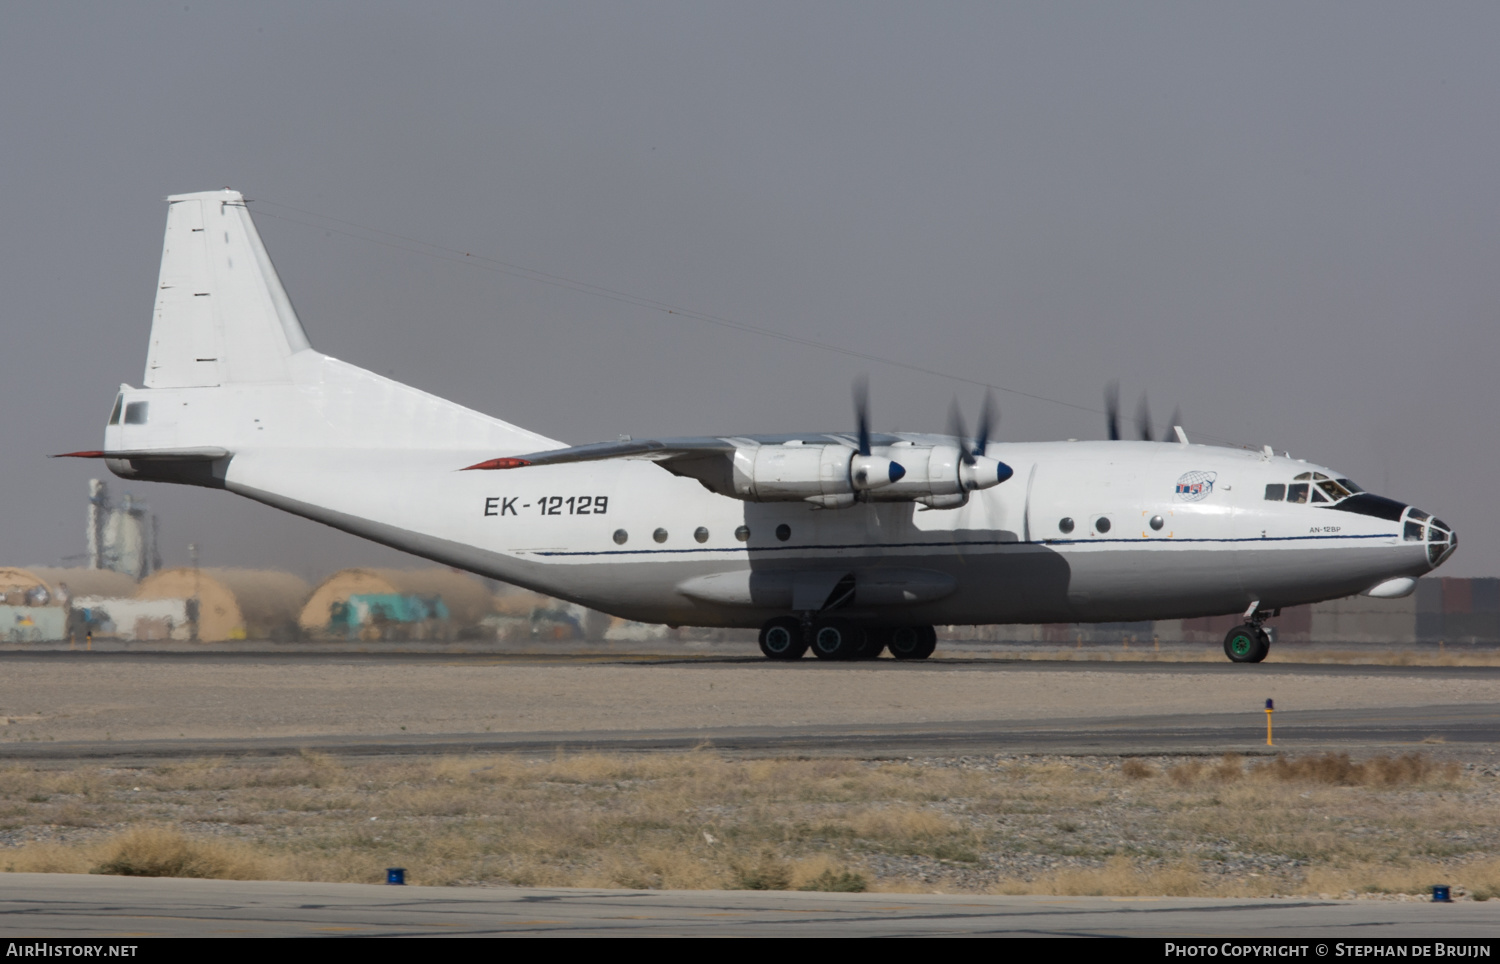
(139, 707)
(1465, 730)
(77, 907)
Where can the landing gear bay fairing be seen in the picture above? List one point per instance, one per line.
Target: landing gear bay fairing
(845, 544)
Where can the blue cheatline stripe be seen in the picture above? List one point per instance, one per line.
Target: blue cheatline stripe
(951, 545)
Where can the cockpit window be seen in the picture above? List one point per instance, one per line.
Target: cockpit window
(1415, 513)
(1413, 532)
(1313, 487)
(135, 413)
(1334, 490)
(114, 415)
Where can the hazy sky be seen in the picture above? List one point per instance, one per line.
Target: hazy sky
(1281, 217)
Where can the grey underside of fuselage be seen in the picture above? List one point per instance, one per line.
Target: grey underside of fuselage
(1015, 582)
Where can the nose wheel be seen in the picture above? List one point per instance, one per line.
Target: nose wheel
(1247, 643)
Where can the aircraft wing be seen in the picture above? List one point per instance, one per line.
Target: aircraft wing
(651, 450)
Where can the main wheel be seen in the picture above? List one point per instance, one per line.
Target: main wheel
(876, 638)
(837, 639)
(912, 642)
(782, 639)
(1246, 643)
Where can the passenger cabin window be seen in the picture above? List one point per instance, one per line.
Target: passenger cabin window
(1276, 492)
(1297, 492)
(135, 413)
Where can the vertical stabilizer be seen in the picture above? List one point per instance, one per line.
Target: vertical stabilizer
(221, 314)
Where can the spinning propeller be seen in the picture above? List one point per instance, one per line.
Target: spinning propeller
(1142, 416)
(868, 471)
(978, 471)
(989, 416)
(862, 413)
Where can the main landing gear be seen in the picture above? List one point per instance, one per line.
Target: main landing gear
(787, 637)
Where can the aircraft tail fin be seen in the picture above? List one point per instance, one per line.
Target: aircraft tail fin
(221, 314)
(229, 365)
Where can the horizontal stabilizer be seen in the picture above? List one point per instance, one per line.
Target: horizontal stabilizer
(201, 454)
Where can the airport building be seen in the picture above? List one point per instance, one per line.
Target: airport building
(228, 604)
(396, 604)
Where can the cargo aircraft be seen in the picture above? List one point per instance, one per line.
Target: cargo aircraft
(848, 544)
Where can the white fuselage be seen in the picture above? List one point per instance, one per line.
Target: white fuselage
(624, 536)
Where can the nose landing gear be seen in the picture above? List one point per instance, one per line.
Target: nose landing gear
(1249, 642)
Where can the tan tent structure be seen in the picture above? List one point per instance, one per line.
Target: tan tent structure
(47, 586)
(467, 599)
(233, 603)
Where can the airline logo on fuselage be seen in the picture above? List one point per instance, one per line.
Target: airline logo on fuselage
(1196, 486)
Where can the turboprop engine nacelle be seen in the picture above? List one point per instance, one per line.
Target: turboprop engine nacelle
(832, 476)
(938, 476)
(836, 476)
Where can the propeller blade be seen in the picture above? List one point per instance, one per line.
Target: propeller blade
(1170, 435)
(862, 412)
(1112, 409)
(989, 418)
(956, 427)
(1143, 420)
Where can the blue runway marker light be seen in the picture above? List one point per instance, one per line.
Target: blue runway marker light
(395, 875)
(1270, 705)
(1440, 894)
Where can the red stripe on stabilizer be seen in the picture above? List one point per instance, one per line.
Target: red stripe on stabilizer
(497, 464)
(77, 455)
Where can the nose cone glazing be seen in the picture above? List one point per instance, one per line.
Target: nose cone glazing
(1438, 536)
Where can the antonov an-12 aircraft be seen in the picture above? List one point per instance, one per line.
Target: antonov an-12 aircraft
(848, 544)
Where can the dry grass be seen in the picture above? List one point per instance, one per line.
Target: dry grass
(1228, 826)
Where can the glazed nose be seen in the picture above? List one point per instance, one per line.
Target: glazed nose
(1441, 540)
